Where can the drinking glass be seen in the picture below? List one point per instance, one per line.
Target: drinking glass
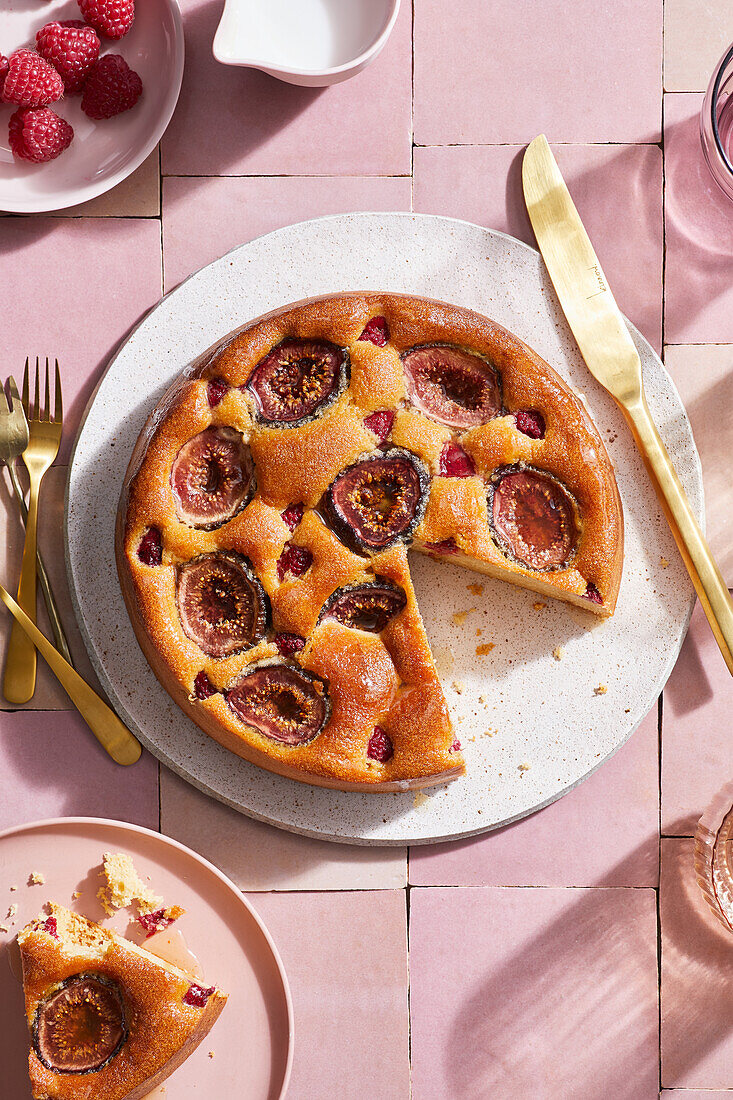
(716, 124)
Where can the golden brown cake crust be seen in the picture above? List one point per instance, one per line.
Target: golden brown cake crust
(386, 680)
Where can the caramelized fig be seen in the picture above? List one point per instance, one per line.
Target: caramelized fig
(212, 478)
(221, 603)
(369, 606)
(80, 1027)
(447, 546)
(534, 518)
(283, 702)
(455, 387)
(298, 379)
(380, 499)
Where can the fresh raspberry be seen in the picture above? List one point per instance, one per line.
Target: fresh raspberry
(376, 331)
(150, 550)
(380, 746)
(3, 71)
(112, 18)
(530, 423)
(456, 746)
(49, 925)
(288, 644)
(591, 593)
(72, 47)
(202, 686)
(38, 134)
(215, 391)
(197, 996)
(31, 81)
(380, 423)
(454, 462)
(294, 560)
(111, 87)
(292, 515)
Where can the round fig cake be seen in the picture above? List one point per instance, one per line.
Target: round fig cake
(272, 497)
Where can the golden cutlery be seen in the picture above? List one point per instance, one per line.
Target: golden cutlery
(612, 358)
(13, 441)
(111, 733)
(43, 446)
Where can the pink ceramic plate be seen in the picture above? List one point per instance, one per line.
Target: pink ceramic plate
(102, 154)
(252, 1040)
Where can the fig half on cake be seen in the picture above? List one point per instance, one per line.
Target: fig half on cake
(107, 1019)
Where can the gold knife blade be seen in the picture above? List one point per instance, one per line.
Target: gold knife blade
(606, 345)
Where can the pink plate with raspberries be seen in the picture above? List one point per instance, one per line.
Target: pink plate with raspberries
(220, 939)
(103, 150)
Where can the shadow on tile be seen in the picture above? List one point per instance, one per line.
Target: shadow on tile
(538, 993)
(696, 990)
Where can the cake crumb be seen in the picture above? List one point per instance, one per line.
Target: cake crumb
(558, 653)
(458, 686)
(459, 617)
(600, 690)
(12, 910)
(663, 562)
(524, 767)
(475, 589)
(13, 887)
(211, 1054)
(4, 928)
(488, 733)
(538, 605)
(36, 878)
(124, 886)
(76, 894)
(484, 648)
(420, 799)
(482, 698)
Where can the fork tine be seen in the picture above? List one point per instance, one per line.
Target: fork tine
(25, 388)
(14, 398)
(59, 410)
(47, 406)
(37, 394)
(4, 404)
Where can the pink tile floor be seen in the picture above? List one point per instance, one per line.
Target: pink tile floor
(569, 955)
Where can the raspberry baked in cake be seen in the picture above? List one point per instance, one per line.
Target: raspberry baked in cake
(107, 1018)
(270, 502)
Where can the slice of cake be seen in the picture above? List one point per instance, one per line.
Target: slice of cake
(107, 1018)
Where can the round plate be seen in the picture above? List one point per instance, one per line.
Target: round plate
(231, 943)
(532, 726)
(104, 153)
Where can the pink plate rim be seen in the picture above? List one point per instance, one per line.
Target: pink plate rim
(52, 822)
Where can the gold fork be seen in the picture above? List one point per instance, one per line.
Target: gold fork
(43, 446)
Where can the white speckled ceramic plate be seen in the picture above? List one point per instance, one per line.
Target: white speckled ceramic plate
(532, 726)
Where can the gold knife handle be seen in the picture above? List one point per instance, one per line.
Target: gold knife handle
(111, 733)
(706, 577)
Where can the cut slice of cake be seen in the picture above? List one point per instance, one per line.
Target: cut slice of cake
(108, 1019)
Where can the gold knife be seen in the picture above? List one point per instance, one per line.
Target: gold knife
(612, 359)
(111, 733)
